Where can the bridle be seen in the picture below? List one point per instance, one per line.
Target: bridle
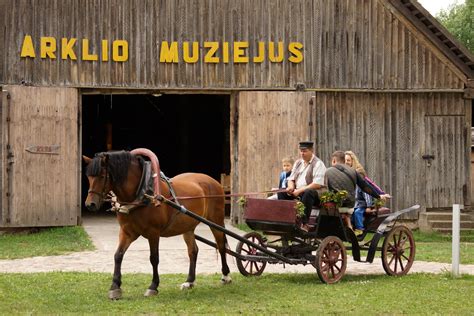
(102, 195)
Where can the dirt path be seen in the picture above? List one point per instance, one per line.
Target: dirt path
(173, 256)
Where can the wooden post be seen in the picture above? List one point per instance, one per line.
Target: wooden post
(456, 239)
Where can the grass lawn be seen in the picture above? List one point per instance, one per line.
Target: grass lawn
(46, 242)
(437, 247)
(442, 252)
(270, 294)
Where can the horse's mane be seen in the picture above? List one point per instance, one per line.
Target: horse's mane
(117, 165)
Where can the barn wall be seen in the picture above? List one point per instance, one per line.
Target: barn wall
(269, 127)
(347, 44)
(391, 132)
(2, 40)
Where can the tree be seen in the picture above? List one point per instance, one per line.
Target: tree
(459, 20)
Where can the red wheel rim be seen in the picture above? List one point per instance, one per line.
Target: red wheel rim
(331, 260)
(250, 267)
(398, 252)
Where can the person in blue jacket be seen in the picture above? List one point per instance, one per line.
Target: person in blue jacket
(287, 166)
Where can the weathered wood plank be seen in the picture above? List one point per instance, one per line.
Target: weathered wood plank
(44, 117)
(347, 44)
(267, 133)
(390, 134)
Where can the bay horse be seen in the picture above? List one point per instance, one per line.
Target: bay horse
(121, 173)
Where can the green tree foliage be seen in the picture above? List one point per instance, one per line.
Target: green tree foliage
(459, 20)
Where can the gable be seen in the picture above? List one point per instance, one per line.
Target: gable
(370, 44)
(438, 34)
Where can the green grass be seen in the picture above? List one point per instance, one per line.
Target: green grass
(436, 247)
(442, 252)
(466, 236)
(270, 294)
(244, 227)
(46, 242)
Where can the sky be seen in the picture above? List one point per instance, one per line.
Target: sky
(434, 6)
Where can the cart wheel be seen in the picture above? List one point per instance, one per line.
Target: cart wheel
(331, 260)
(398, 251)
(250, 267)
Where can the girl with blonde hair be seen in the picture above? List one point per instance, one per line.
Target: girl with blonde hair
(353, 162)
(363, 200)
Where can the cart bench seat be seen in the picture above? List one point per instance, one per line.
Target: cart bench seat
(271, 215)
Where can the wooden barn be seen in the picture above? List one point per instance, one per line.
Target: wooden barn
(229, 87)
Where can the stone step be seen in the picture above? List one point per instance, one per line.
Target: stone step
(449, 230)
(445, 216)
(449, 224)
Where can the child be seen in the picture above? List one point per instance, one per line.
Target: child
(287, 165)
(363, 200)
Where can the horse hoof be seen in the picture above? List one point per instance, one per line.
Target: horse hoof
(149, 292)
(226, 279)
(115, 294)
(187, 285)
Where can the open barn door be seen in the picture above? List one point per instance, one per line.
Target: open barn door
(40, 158)
(269, 127)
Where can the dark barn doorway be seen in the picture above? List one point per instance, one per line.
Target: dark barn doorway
(188, 132)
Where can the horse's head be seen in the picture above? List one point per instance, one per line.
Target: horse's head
(105, 172)
(99, 180)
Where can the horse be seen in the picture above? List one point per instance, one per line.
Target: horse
(121, 172)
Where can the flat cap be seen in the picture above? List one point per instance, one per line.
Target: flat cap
(306, 144)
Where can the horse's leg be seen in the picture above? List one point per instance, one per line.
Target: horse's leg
(221, 242)
(154, 260)
(192, 253)
(125, 240)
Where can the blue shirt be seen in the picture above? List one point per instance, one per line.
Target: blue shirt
(284, 179)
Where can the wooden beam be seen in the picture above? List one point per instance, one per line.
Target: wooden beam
(469, 91)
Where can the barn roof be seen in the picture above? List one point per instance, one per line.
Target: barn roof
(438, 34)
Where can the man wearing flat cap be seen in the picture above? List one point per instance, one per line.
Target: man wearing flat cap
(306, 178)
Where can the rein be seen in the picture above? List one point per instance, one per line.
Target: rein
(150, 197)
(157, 197)
(228, 195)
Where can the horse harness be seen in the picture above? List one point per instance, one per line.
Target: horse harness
(102, 195)
(145, 191)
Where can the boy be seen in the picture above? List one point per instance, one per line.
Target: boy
(287, 165)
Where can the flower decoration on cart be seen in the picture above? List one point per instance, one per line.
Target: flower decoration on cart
(331, 199)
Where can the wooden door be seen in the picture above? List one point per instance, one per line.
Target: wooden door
(445, 159)
(40, 157)
(270, 125)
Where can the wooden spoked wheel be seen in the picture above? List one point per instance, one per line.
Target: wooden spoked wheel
(398, 251)
(250, 267)
(331, 260)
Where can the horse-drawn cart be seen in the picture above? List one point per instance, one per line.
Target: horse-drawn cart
(133, 179)
(323, 246)
(277, 239)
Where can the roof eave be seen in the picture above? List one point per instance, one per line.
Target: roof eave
(455, 51)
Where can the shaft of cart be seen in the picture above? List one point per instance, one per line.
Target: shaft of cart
(201, 219)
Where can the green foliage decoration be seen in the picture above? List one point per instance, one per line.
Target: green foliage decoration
(242, 201)
(379, 203)
(299, 207)
(335, 197)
